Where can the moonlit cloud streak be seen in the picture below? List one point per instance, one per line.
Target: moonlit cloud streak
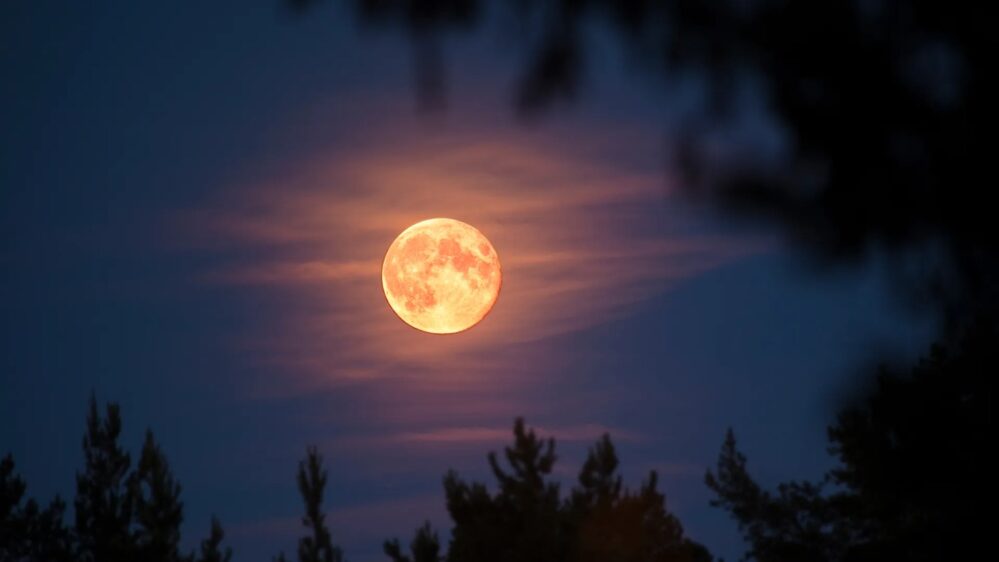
(581, 238)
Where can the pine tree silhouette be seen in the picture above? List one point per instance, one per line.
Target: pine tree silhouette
(103, 506)
(211, 547)
(526, 520)
(612, 523)
(120, 515)
(27, 532)
(317, 546)
(157, 508)
(522, 521)
(425, 547)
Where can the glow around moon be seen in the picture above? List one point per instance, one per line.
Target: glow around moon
(441, 276)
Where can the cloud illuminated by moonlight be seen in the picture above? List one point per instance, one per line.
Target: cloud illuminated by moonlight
(583, 233)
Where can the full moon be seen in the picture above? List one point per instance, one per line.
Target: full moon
(441, 276)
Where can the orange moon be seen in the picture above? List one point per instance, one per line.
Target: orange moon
(441, 276)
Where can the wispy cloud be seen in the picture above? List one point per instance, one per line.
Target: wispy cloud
(482, 437)
(583, 236)
(588, 432)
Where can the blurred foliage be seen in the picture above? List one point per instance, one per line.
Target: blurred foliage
(883, 105)
(912, 462)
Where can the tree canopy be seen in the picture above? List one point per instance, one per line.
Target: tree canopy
(122, 513)
(527, 519)
(912, 462)
(317, 544)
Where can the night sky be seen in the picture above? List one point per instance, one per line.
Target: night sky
(195, 201)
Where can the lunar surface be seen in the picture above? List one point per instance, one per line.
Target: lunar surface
(441, 276)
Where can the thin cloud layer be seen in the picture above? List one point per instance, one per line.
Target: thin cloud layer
(583, 235)
(481, 436)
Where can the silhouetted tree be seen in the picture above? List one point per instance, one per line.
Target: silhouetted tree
(527, 520)
(317, 546)
(103, 505)
(120, 515)
(912, 463)
(157, 508)
(522, 521)
(798, 523)
(615, 524)
(593, 501)
(211, 550)
(27, 532)
(425, 547)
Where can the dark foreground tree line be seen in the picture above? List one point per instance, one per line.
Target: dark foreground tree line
(120, 512)
(908, 485)
(124, 513)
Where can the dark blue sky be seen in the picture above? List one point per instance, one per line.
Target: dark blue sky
(194, 200)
